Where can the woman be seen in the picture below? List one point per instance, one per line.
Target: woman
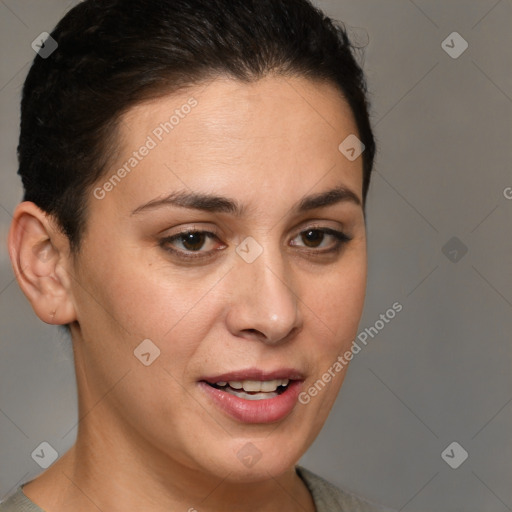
(195, 176)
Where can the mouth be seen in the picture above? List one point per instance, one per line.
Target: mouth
(253, 389)
(254, 396)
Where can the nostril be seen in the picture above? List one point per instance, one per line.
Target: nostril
(254, 331)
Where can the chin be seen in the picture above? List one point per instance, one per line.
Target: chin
(255, 459)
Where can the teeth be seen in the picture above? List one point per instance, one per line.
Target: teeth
(256, 386)
(251, 396)
(266, 385)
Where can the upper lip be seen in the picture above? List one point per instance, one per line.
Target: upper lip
(255, 374)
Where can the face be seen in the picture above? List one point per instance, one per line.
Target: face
(234, 245)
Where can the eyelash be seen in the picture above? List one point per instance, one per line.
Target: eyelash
(340, 237)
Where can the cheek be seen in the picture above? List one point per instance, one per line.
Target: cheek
(337, 305)
(336, 300)
(145, 297)
(151, 300)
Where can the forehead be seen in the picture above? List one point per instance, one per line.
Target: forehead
(226, 110)
(268, 136)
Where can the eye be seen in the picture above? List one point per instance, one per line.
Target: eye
(193, 244)
(186, 243)
(330, 240)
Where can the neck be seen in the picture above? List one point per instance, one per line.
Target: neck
(115, 472)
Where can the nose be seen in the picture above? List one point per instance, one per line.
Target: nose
(264, 304)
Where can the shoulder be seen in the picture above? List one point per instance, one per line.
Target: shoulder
(328, 498)
(18, 502)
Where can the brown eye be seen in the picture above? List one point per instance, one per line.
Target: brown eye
(193, 241)
(192, 244)
(312, 237)
(329, 240)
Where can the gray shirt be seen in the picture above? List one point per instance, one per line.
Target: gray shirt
(326, 496)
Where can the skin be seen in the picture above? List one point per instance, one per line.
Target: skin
(148, 436)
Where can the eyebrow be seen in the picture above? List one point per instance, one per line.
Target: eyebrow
(220, 204)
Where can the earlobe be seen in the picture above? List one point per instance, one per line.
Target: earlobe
(39, 252)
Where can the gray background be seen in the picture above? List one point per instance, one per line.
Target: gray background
(440, 371)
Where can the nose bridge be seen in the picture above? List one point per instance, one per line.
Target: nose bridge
(265, 300)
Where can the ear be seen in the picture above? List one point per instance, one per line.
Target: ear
(41, 260)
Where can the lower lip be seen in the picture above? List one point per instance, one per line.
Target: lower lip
(255, 411)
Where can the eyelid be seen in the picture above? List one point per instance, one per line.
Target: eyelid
(320, 225)
(341, 238)
(176, 236)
